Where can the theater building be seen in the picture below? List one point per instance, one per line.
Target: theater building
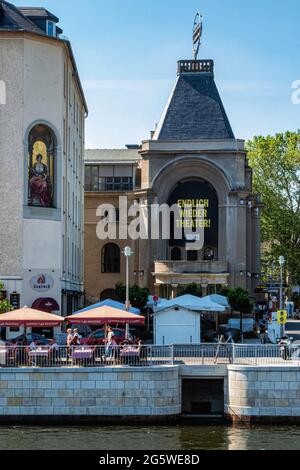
(42, 115)
(192, 157)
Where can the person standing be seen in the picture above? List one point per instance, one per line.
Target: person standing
(109, 342)
(263, 333)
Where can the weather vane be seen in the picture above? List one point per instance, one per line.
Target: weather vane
(197, 34)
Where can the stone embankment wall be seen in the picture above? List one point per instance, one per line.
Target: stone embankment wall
(90, 392)
(263, 394)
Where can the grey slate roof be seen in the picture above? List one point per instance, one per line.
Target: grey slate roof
(112, 156)
(195, 111)
(38, 13)
(12, 19)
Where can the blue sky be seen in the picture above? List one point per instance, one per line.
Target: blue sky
(126, 51)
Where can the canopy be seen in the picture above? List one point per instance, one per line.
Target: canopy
(218, 299)
(45, 304)
(29, 317)
(103, 315)
(191, 302)
(151, 303)
(109, 303)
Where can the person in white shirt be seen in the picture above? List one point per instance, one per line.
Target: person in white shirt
(109, 342)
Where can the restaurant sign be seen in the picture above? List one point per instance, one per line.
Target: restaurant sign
(42, 283)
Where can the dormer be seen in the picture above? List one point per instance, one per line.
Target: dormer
(42, 18)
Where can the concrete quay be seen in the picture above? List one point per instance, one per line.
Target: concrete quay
(238, 393)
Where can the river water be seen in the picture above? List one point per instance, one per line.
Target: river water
(201, 437)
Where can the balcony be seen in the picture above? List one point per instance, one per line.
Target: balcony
(185, 272)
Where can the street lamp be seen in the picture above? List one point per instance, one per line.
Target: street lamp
(127, 252)
(281, 264)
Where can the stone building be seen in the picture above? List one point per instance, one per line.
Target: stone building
(191, 157)
(42, 116)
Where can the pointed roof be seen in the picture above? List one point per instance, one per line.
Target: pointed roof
(194, 110)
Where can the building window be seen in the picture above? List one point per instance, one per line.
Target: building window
(176, 254)
(108, 294)
(95, 182)
(51, 28)
(42, 154)
(192, 255)
(110, 262)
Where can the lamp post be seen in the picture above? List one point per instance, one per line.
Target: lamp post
(127, 252)
(281, 264)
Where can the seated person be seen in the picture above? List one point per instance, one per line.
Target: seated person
(125, 345)
(33, 345)
(53, 346)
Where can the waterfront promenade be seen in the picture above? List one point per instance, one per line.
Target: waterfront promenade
(239, 382)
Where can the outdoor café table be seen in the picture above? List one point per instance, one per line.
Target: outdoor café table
(130, 356)
(38, 354)
(82, 353)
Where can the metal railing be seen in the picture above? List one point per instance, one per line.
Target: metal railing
(195, 66)
(232, 353)
(118, 356)
(85, 356)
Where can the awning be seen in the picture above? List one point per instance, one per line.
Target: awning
(45, 304)
(103, 315)
(29, 318)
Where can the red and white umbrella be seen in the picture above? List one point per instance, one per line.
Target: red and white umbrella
(29, 317)
(105, 315)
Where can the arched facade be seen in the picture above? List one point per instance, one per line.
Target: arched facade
(193, 168)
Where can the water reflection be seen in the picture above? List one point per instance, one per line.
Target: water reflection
(149, 438)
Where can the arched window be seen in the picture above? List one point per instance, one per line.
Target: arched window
(41, 150)
(176, 254)
(110, 262)
(108, 294)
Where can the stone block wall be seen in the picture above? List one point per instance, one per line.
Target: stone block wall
(90, 392)
(262, 394)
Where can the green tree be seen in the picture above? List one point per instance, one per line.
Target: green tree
(4, 304)
(238, 299)
(275, 161)
(192, 289)
(138, 296)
